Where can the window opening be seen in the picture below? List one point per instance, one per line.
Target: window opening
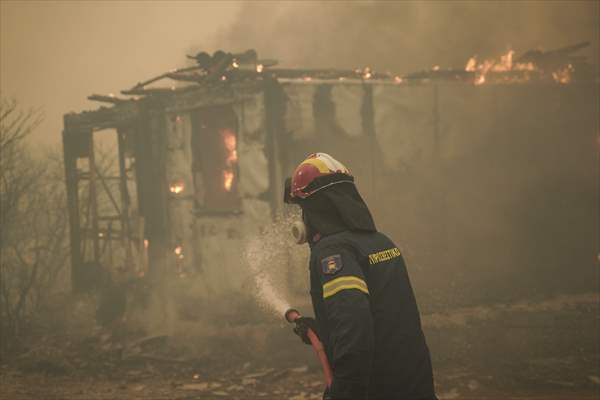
(215, 158)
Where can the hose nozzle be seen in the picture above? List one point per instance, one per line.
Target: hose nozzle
(292, 315)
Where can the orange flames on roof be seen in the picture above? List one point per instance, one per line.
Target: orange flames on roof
(563, 75)
(506, 64)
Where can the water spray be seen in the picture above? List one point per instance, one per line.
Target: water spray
(292, 316)
(260, 258)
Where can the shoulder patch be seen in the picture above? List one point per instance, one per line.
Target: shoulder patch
(332, 264)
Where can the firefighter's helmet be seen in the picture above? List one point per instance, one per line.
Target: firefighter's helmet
(317, 172)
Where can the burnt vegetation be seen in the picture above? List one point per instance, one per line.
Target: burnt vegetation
(34, 246)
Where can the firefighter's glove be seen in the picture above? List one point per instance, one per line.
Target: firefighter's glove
(303, 324)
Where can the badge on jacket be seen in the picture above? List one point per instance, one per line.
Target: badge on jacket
(332, 264)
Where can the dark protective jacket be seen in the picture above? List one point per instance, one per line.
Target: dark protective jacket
(368, 318)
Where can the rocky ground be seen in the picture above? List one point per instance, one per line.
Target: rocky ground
(542, 350)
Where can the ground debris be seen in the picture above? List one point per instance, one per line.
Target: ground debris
(299, 370)
(248, 381)
(196, 386)
(594, 379)
(260, 374)
(103, 365)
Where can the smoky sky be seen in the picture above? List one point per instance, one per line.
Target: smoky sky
(54, 54)
(406, 36)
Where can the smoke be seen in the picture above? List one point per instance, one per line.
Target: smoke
(409, 35)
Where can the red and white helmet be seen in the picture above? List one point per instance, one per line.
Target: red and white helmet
(317, 172)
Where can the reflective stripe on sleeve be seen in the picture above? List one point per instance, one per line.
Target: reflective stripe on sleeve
(344, 282)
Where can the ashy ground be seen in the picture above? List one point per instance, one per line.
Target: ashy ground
(519, 351)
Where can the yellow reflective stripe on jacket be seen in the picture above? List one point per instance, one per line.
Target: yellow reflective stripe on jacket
(344, 282)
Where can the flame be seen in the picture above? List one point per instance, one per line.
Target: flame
(471, 64)
(367, 73)
(178, 251)
(176, 187)
(397, 79)
(480, 80)
(260, 68)
(436, 68)
(230, 142)
(146, 243)
(505, 64)
(235, 64)
(563, 75)
(228, 180)
(525, 67)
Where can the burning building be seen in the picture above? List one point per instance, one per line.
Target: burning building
(476, 171)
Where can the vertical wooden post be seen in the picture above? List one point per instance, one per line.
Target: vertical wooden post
(93, 201)
(72, 186)
(125, 226)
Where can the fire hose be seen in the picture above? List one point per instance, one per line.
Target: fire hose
(292, 316)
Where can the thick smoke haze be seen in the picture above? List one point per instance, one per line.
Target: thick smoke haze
(405, 36)
(54, 54)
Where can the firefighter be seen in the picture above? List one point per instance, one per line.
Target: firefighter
(365, 309)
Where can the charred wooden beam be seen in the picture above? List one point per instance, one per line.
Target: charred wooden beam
(149, 91)
(553, 59)
(105, 117)
(181, 76)
(206, 61)
(125, 199)
(93, 200)
(441, 74)
(106, 99)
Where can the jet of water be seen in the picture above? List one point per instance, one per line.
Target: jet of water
(267, 258)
